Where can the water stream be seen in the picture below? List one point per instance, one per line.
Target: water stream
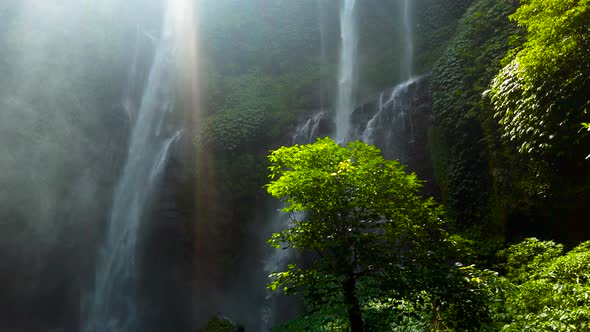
(112, 305)
(347, 73)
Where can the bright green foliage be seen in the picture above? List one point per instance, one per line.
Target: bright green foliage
(349, 204)
(524, 259)
(552, 291)
(362, 218)
(540, 98)
(542, 94)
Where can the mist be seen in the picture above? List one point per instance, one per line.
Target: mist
(63, 72)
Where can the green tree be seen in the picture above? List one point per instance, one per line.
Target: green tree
(360, 215)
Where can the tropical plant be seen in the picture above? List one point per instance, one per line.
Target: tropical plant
(361, 217)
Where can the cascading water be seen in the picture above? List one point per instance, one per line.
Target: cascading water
(369, 132)
(112, 305)
(276, 261)
(345, 104)
(308, 131)
(392, 126)
(394, 115)
(346, 74)
(407, 65)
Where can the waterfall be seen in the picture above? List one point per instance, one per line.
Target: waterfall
(398, 122)
(393, 123)
(277, 260)
(407, 65)
(112, 305)
(308, 131)
(346, 74)
(345, 103)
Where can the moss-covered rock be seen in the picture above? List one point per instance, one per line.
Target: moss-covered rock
(464, 140)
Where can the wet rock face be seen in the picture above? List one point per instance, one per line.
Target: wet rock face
(166, 263)
(320, 124)
(397, 121)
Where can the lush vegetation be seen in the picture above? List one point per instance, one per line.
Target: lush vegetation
(381, 260)
(510, 147)
(548, 291)
(540, 99)
(493, 174)
(359, 213)
(380, 257)
(509, 144)
(533, 112)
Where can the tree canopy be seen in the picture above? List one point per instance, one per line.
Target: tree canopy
(360, 215)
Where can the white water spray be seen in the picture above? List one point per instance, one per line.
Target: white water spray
(112, 306)
(346, 74)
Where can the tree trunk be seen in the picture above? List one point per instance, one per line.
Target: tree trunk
(353, 306)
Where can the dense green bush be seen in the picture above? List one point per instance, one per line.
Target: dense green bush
(551, 290)
(540, 98)
(543, 290)
(462, 299)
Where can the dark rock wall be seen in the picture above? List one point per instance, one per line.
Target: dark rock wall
(398, 121)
